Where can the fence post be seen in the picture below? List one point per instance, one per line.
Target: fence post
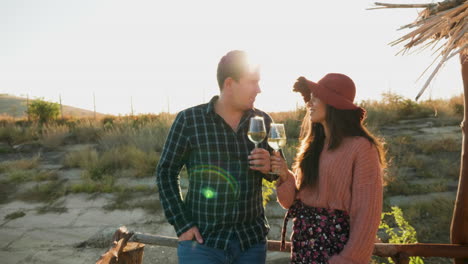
(121, 251)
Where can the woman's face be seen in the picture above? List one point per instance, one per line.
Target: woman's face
(317, 110)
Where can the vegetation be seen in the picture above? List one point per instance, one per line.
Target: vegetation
(399, 231)
(110, 152)
(14, 215)
(43, 111)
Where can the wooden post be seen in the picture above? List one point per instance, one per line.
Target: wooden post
(401, 258)
(94, 103)
(459, 228)
(61, 106)
(132, 253)
(27, 107)
(121, 251)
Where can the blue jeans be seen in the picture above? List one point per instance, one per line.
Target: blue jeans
(190, 252)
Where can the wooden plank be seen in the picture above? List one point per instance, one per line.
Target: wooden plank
(421, 250)
(381, 249)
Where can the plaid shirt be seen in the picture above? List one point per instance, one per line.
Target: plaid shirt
(224, 197)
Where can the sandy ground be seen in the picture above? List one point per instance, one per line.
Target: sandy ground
(53, 237)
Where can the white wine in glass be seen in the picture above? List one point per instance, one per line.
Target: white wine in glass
(257, 131)
(277, 138)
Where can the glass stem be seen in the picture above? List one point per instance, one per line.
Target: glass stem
(275, 171)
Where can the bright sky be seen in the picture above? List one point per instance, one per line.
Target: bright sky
(162, 55)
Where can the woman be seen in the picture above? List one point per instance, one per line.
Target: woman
(334, 194)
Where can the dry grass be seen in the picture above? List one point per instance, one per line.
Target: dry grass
(431, 219)
(448, 144)
(14, 134)
(44, 192)
(112, 160)
(149, 136)
(292, 121)
(54, 136)
(85, 158)
(441, 24)
(106, 184)
(21, 164)
(86, 131)
(14, 215)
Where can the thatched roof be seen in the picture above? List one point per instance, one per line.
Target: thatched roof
(445, 22)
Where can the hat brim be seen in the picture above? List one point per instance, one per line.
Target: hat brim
(328, 96)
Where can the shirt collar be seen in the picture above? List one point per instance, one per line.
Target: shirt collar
(211, 105)
(211, 108)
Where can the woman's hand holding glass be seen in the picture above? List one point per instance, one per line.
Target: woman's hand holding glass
(279, 165)
(276, 140)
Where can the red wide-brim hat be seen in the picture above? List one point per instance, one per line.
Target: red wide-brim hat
(335, 89)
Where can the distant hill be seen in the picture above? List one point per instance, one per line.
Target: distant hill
(16, 107)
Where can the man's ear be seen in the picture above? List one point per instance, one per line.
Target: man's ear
(228, 82)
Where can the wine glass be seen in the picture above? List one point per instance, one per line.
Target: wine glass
(257, 131)
(277, 138)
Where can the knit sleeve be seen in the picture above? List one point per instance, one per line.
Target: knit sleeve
(366, 206)
(286, 191)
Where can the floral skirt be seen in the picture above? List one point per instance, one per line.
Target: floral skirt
(318, 233)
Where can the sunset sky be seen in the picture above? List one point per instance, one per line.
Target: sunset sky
(163, 54)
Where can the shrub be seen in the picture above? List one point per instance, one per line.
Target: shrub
(394, 107)
(399, 230)
(105, 184)
(85, 158)
(110, 161)
(14, 134)
(22, 164)
(86, 131)
(147, 138)
(444, 144)
(431, 219)
(129, 157)
(292, 121)
(44, 192)
(14, 215)
(54, 136)
(43, 111)
(456, 104)
(267, 190)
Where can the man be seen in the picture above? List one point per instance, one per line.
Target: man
(221, 219)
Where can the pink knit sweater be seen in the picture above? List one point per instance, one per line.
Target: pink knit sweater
(350, 179)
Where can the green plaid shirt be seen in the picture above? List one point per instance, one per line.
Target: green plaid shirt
(224, 197)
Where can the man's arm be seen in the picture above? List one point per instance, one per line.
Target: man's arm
(172, 160)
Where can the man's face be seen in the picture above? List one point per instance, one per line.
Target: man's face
(245, 91)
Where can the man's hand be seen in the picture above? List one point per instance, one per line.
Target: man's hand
(190, 234)
(260, 160)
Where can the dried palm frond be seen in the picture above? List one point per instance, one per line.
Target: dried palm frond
(447, 21)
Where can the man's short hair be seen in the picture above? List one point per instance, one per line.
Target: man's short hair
(234, 64)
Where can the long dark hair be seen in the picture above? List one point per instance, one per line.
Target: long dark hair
(341, 123)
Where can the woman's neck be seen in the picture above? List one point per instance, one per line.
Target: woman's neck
(326, 130)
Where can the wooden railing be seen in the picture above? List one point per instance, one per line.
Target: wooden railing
(399, 252)
(121, 252)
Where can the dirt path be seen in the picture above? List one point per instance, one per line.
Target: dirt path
(53, 237)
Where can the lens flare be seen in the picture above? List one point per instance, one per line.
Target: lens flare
(208, 192)
(211, 170)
